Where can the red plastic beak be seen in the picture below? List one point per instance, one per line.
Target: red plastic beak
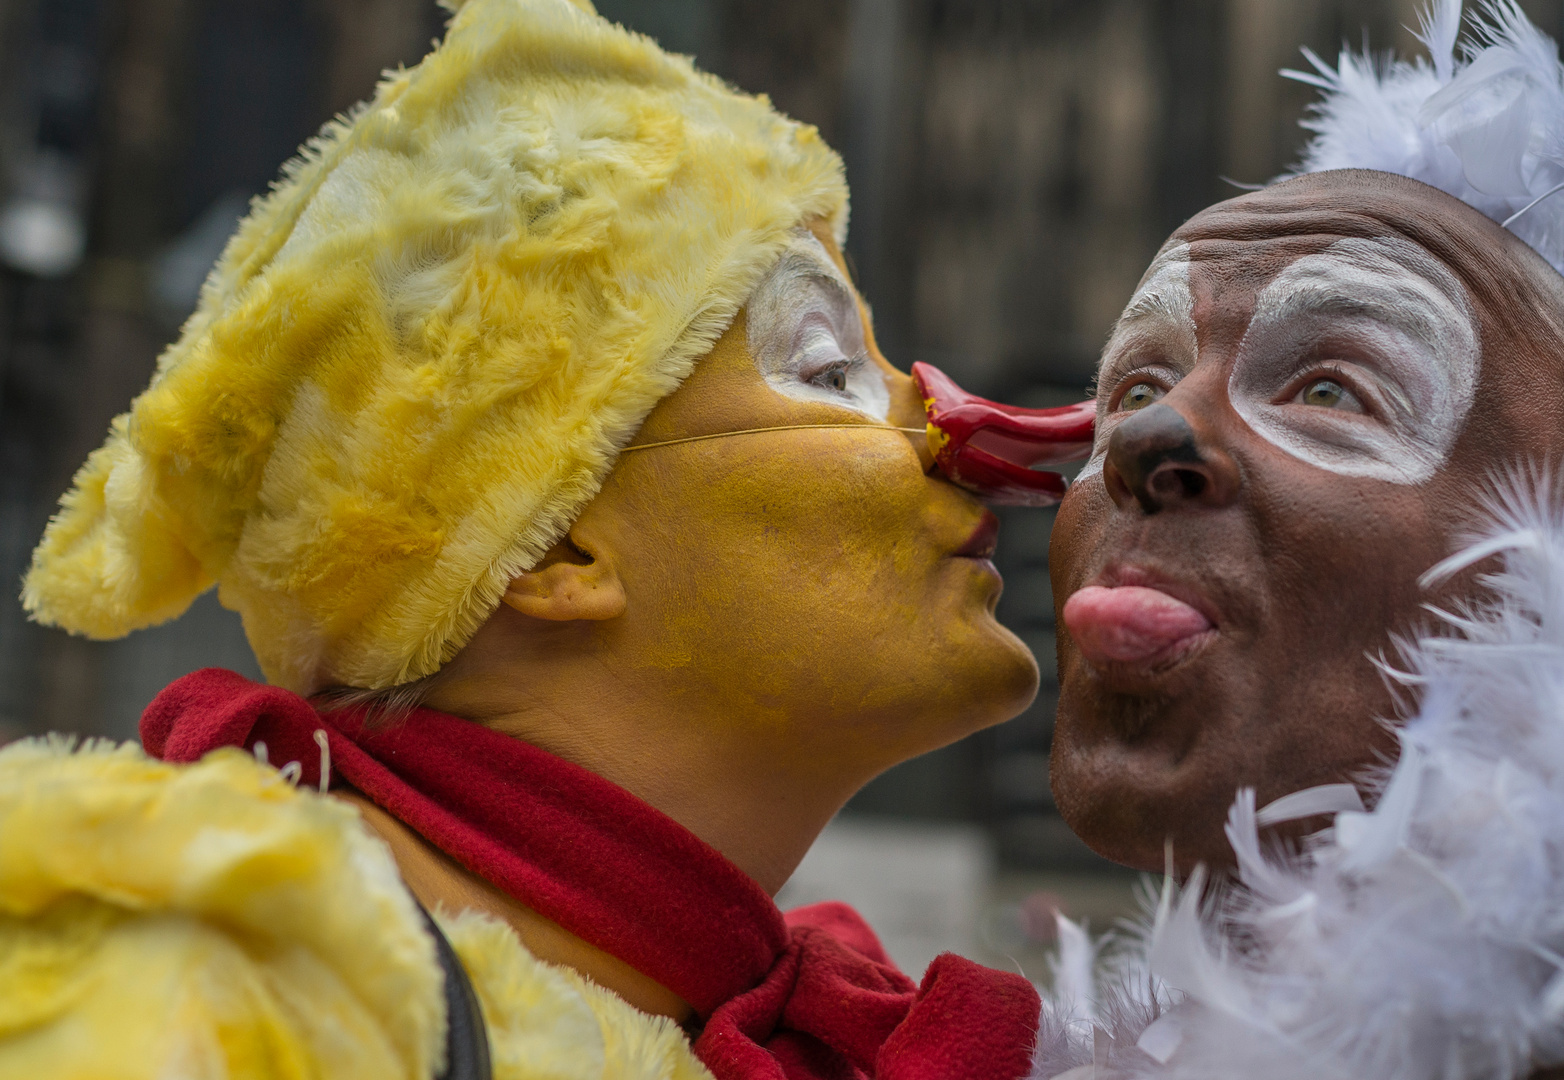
(989, 448)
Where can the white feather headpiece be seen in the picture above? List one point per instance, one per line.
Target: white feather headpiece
(1484, 121)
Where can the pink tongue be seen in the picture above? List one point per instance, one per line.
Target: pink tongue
(1129, 624)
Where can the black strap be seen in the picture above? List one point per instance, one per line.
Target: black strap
(466, 1040)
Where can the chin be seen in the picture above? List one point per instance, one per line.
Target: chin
(1126, 793)
(978, 675)
(1003, 681)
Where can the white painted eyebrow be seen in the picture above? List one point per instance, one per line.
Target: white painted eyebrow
(1425, 360)
(785, 329)
(1164, 290)
(773, 308)
(805, 258)
(1163, 296)
(1349, 278)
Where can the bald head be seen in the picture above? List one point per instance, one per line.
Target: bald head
(1363, 202)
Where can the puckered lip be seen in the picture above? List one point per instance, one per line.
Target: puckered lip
(1116, 574)
(984, 540)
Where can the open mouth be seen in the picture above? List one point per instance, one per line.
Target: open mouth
(1130, 623)
(983, 541)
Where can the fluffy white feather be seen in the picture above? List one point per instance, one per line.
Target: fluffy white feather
(1419, 940)
(1484, 121)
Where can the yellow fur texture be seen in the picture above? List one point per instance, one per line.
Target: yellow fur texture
(211, 922)
(551, 1023)
(419, 356)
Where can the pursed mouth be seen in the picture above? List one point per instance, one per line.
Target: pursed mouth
(984, 540)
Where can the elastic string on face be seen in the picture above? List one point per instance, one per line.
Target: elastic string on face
(758, 430)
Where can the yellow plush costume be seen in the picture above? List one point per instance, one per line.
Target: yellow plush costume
(413, 366)
(211, 921)
(420, 355)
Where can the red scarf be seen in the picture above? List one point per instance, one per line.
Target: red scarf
(808, 996)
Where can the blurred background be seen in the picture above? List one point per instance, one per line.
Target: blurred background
(1014, 165)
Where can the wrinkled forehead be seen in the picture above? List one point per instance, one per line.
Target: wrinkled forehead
(1232, 269)
(1237, 249)
(1221, 284)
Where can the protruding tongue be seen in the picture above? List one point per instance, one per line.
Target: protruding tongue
(1129, 624)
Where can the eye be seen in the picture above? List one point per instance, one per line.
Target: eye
(1328, 394)
(1139, 396)
(833, 378)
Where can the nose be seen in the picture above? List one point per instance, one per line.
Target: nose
(1155, 458)
(990, 449)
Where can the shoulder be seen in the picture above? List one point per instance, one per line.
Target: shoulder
(211, 920)
(201, 920)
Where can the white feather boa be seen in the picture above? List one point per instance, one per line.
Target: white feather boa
(1421, 939)
(1484, 122)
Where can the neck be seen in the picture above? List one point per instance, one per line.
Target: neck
(760, 799)
(438, 881)
(749, 786)
(757, 808)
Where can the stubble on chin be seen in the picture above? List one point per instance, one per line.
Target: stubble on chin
(1129, 717)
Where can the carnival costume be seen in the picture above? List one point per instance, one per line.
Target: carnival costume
(215, 920)
(413, 366)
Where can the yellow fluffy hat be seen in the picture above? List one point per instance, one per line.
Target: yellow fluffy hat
(419, 356)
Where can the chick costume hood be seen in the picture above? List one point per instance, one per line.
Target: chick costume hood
(417, 359)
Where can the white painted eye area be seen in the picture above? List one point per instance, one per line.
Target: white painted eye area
(1361, 359)
(807, 335)
(1151, 349)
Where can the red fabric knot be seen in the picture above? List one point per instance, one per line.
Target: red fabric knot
(969, 1023)
(835, 1007)
(810, 998)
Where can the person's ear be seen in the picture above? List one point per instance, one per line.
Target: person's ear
(568, 584)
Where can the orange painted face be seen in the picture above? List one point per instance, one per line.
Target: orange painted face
(823, 590)
(1294, 416)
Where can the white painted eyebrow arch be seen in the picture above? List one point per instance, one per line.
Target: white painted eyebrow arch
(1164, 291)
(805, 257)
(1163, 295)
(1388, 305)
(1154, 303)
(1389, 302)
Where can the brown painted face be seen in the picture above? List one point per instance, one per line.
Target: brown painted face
(1295, 413)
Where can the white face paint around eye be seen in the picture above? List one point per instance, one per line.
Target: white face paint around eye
(1156, 333)
(1383, 319)
(807, 337)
